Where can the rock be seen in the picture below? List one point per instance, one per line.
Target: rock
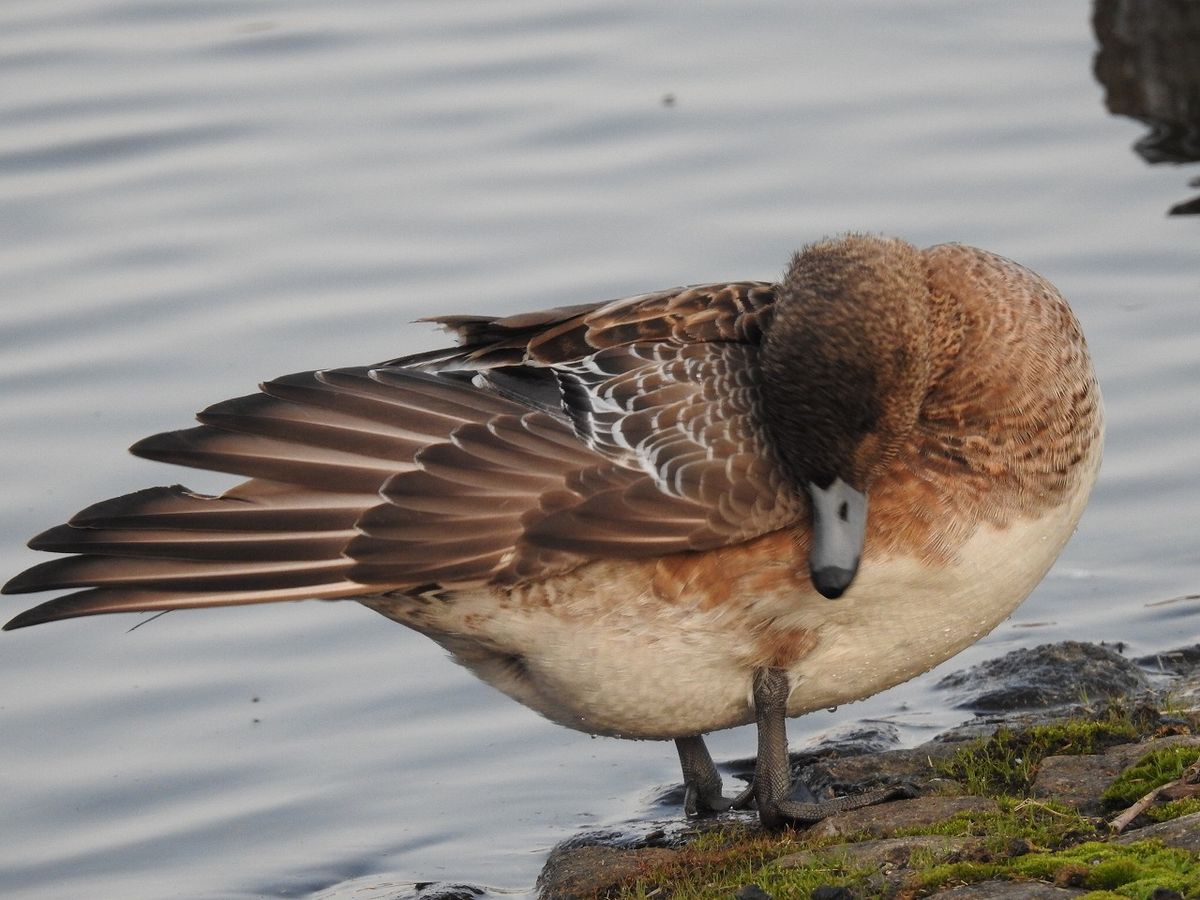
(830, 892)
(851, 774)
(586, 872)
(894, 852)
(886, 818)
(440, 890)
(1006, 890)
(1049, 675)
(1078, 781)
(1180, 661)
(751, 892)
(1182, 833)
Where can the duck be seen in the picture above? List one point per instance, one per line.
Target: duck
(658, 516)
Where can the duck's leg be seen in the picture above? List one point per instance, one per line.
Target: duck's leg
(772, 772)
(701, 780)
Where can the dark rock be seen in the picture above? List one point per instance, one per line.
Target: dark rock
(440, 890)
(1049, 675)
(585, 872)
(1182, 833)
(853, 739)
(853, 774)
(887, 818)
(1181, 661)
(1006, 890)
(893, 852)
(751, 892)
(830, 892)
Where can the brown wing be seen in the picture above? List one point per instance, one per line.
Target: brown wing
(451, 468)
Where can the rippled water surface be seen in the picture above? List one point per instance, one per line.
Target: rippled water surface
(197, 196)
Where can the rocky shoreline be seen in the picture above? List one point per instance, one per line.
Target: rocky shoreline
(1054, 789)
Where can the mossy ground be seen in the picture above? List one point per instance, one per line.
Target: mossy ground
(1023, 839)
(1006, 763)
(1152, 770)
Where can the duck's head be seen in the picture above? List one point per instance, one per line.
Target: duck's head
(846, 366)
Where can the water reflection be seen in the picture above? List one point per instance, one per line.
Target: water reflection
(1149, 67)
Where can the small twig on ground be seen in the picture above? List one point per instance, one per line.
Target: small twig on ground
(1190, 776)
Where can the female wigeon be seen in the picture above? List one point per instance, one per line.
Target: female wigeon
(654, 517)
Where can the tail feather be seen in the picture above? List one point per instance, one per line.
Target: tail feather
(174, 574)
(177, 509)
(317, 446)
(173, 543)
(97, 601)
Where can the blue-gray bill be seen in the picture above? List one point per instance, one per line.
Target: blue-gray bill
(839, 524)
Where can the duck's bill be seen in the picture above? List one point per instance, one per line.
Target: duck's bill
(839, 524)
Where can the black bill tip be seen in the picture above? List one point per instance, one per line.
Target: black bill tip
(832, 581)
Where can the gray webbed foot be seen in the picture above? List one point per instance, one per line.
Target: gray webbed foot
(702, 782)
(772, 785)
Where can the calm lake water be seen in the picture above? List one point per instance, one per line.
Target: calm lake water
(198, 196)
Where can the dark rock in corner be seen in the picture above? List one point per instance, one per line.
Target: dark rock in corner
(1050, 675)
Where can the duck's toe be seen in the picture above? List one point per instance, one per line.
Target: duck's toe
(784, 812)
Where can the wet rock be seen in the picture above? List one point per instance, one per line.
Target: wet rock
(586, 872)
(1050, 675)
(1182, 833)
(1007, 890)
(1180, 661)
(890, 852)
(852, 774)
(887, 818)
(440, 890)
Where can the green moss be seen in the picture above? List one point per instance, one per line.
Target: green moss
(1007, 762)
(1153, 770)
(1108, 870)
(1173, 809)
(1041, 825)
(718, 869)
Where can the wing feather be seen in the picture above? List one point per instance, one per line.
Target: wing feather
(621, 429)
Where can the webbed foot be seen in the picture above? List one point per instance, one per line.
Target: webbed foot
(772, 785)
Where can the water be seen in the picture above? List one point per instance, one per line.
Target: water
(195, 197)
